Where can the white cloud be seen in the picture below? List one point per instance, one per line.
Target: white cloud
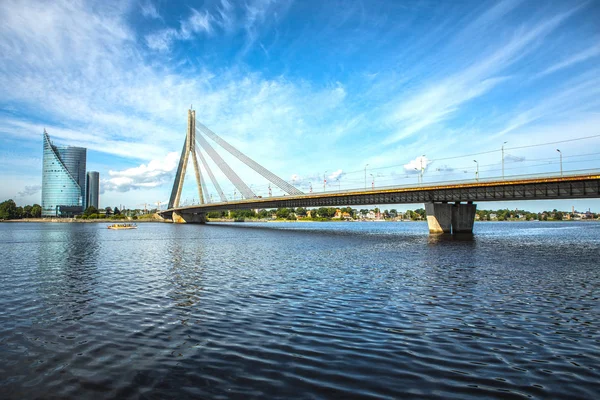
(91, 84)
(153, 174)
(30, 190)
(417, 165)
(198, 22)
(441, 100)
(584, 55)
(149, 10)
(336, 175)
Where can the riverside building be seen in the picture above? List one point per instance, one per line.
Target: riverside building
(63, 180)
(92, 189)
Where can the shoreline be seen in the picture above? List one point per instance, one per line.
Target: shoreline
(218, 220)
(81, 221)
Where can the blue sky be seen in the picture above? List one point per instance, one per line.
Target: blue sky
(303, 87)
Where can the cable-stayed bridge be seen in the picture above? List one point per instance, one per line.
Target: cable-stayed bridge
(449, 205)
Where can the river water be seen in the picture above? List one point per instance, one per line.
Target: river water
(299, 310)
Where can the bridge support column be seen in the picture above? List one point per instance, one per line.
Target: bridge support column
(463, 217)
(450, 218)
(439, 217)
(184, 218)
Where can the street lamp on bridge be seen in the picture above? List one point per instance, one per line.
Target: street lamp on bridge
(476, 171)
(366, 176)
(418, 176)
(561, 170)
(324, 179)
(422, 170)
(372, 181)
(503, 159)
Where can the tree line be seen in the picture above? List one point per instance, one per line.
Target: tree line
(328, 213)
(317, 214)
(10, 210)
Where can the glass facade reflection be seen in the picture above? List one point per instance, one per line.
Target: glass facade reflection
(92, 189)
(63, 179)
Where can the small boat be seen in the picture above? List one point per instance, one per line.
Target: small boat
(122, 226)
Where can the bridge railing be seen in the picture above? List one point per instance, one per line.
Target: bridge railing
(507, 179)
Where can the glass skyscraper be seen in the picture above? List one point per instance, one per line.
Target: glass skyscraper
(63, 179)
(92, 189)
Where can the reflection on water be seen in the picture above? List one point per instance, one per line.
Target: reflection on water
(299, 310)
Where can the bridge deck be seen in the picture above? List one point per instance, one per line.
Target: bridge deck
(578, 184)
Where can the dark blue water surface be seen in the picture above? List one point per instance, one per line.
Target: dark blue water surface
(299, 310)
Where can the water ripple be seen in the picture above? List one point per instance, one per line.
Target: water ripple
(309, 310)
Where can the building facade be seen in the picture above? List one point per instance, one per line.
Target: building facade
(63, 179)
(92, 189)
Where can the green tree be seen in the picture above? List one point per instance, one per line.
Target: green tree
(301, 211)
(36, 211)
(108, 211)
(291, 217)
(421, 212)
(8, 209)
(558, 216)
(283, 213)
(90, 210)
(326, 212)
(27, 211)
(264, 214)
(116, 211)
(243, 214)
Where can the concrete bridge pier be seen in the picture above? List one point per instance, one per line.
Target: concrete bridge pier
(450, 218)
(188, 218)
(463, 217)
(439, 217)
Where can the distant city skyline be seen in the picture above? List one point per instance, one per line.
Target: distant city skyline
(371, 93)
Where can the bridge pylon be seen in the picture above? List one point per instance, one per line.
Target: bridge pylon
(189, 147)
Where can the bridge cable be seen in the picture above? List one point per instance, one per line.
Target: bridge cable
(204, 189)
(173, 200)
(283, 185)
(199, 179)
(212, 177)
(225, 168)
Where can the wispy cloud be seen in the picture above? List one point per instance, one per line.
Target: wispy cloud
(96, 77)
(30, 190)
(149, 10)
(197, 23)
(579, 94)
(441, 100)
(584, 55)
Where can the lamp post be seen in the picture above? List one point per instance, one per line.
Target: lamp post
(422, 157)
(503, 159)
(418, 176)
(366, 176)
(561, 170)
(477, 171)
(372, 181)
(324, 179)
